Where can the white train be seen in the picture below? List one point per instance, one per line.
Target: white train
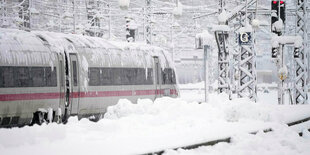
(47, 76)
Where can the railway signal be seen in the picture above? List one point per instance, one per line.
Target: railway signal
(274, 52)
(277, 12)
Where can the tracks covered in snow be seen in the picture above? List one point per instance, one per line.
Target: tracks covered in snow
(302, 122)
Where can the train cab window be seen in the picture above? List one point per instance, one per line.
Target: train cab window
(74, 73)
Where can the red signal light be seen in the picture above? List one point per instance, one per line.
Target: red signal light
(281, 2)
(275, 2)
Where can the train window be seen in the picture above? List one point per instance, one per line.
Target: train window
(37, 74)
(120, 76)
(106, 76)
(168, 76)
(51, 77)
(28, 77)
(74, 73)
(140, 79)
(1, 80)
(22, 77)
(7, 77)
(61, 72)
(149, 78)
(117, 76)
(94, 75)
(129, 76)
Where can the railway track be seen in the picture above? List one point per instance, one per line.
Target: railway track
(227, 139)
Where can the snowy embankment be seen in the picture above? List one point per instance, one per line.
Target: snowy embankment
(167, 123)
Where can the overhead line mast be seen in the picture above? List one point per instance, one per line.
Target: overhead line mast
(301, 58)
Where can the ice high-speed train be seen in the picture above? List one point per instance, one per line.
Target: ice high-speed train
(47, 76)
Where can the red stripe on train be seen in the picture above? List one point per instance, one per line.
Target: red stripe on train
(40, 96)
(33, 96)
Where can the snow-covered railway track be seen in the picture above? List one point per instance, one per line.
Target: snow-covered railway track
(298, 126)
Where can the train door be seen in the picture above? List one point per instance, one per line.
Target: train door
(157, 77)
(75, 92)
(61, 77)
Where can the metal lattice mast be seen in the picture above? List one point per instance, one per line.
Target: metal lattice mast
(223, 60)
(301, 62)
(247, 76)
(234, 68)
(148, 28)
(221, 37)
(247, 64)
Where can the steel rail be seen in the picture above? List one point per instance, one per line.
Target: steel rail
(227, 139)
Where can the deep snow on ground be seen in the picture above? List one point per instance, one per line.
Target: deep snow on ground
(167, 123)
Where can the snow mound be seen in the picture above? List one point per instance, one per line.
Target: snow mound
(222, 18)
(231, 111)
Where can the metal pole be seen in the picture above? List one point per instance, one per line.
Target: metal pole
(2, 10)
(205, 66)
(29, 13)
(281, 65)
(148, 27)
(59, 23)
(144, 16)
(74, 20)
(110, 33)
(246, 12)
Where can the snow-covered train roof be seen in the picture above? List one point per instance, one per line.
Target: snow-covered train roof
(14, 43)
(21, 47)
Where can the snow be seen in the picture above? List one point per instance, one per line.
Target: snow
(220, 28)
(124, 4)
(222, 18)
(278, 26)
(147, 126)
(178, 10)
(246, 28)
(256, 23)
(282, 73)
(14, 42)
(294, 40)
(133, 25)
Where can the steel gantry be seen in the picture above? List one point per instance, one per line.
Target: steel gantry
(301, 59)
